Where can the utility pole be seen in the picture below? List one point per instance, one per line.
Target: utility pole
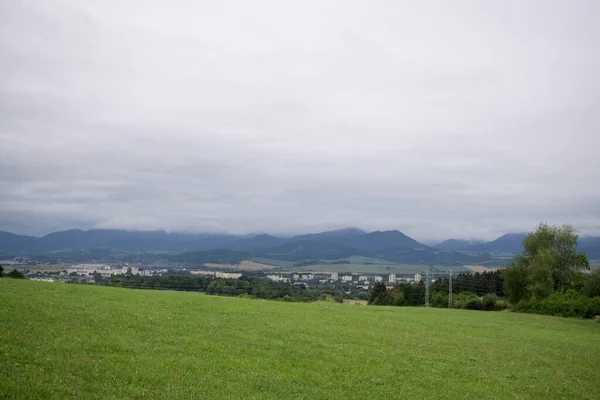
(450, 291)
(427, 288)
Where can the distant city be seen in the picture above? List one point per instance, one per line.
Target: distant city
(91, 273)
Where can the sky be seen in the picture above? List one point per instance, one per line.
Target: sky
(463, 119)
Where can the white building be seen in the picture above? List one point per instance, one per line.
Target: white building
(277, 278)
(135, 270)
(42, 279)
(227, 275)
(378, 279)
(347, 278)
(363, 278)
(197, 272)
(334, 276)
(125, 270)
(392, 278)
(296, 277)
(91, 267)
(418, 278)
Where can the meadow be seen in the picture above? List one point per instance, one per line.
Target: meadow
(75, 341)
(355, 265)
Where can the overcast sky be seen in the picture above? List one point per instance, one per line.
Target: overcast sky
(440, 118)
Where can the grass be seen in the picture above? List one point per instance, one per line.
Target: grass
(241, 266)
(358, 265)
(271, 261)
(357, 268)
(70, 341)
(376, 269)
(33, 268)
(478, 268)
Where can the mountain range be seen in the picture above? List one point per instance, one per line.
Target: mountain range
(391, 245)
(509, 243)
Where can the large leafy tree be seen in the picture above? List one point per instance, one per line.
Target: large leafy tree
(379, 294)
(549, 263)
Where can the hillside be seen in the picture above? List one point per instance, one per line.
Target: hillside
(311, 249)
(456, 245)
(76, 239)
(507, 243)
(430, 255)
(11, 242)
(218, 256)
(328, 236)
(99, 342)
(382, 240)
(256, 243)
(590, 246)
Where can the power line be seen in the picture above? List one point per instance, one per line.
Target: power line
(427, 289)
(450, 291)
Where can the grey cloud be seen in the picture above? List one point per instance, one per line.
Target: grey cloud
(464, 119)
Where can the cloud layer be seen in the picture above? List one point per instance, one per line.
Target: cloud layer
(463, 119)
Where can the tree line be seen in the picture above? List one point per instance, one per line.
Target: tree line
(245, 286)
(549, 277)
(15, 274)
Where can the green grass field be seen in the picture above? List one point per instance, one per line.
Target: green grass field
(271, 261)
(71, 341)
(377, 269)
(358, 265)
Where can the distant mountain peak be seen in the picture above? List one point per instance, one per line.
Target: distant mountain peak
(344, 231)
(263, 236)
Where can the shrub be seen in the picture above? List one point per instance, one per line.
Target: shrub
(569, 304)
(502, 304)
(459, 304)
(326, 297)
(489, 302)
(396, 296)
(466, 300)
(474, 303)
(470, 301)
(439, 299)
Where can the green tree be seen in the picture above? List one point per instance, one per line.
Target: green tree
(379, 294)
(1, 271)
(396, 296)
(549, 263)
(516, 281)
(16, 274)
(592, 285)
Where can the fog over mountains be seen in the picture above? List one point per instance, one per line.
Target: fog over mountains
(391, 245)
